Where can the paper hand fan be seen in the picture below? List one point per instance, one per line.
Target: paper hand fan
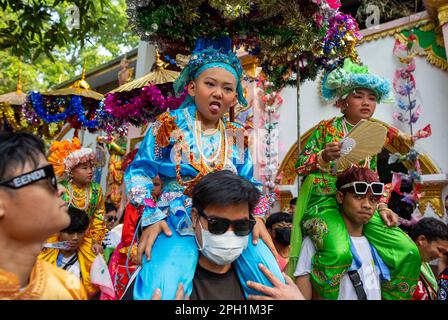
(100, 276)
(366, 139)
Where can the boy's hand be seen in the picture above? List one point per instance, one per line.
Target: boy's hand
(389, 217)
(97, 248)
(148, 238)
(279, 291)
(332, 151)
(261, 231)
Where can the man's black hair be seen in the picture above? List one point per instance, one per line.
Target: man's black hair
(17, 150)
(224, 188)
(431, 228)
(110, 207)
(79, 221)
(293, 201)
(277, 218)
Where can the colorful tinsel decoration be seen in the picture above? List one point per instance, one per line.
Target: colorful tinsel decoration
(8, 117)
(340, 40)
(17, 118)
(119, 110)
(285, 36)
(61, 108)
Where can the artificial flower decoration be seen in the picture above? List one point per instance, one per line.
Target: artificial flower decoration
(66, 154)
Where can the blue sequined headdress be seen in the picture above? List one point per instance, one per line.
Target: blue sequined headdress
(343, 80)
(207, 54)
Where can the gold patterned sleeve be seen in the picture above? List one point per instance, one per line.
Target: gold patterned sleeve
(98, 226)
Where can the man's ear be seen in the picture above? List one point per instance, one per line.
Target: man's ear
(191, 88)
(194, 216)
(420, 240)
(2, 207)
(339, 197)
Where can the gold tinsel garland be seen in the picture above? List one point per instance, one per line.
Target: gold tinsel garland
(8, 114)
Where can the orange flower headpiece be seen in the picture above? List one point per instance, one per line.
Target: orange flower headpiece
(66, 155)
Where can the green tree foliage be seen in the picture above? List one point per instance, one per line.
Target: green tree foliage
(51, 53)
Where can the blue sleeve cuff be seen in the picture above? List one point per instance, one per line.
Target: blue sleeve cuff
(151, 216)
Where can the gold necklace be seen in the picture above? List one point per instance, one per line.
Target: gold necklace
(79, 197)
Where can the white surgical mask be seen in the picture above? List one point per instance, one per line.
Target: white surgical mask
(224, 248)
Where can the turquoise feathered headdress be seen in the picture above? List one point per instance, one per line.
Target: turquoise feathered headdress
(207, 54)
(343, 80)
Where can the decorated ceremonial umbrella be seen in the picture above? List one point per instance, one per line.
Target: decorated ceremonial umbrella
(159, 76)
(75, 105)
(13, 117)
(139, 101)
(16, 98)
(10, 113)
(10, 105)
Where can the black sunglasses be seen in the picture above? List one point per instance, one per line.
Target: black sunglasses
(28, 178)
(217, 225)
(112, 219)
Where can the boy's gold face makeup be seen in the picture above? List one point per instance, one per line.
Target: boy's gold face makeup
(360, 104)
(214, 92)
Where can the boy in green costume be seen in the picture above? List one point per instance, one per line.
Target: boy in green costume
(317, 213)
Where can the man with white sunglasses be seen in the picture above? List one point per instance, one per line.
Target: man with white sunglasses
(358, 195)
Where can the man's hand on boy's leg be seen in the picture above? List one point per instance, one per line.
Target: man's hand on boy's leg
(148, 238)
(389, 217)
(261, 231)
(279, 291)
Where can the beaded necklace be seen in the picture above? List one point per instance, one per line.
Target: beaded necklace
(78, 198)
(205, 164)
(217, 152)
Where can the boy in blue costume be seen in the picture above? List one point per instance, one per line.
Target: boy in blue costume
(181, 147)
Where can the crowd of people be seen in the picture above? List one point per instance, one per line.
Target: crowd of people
(196, 225)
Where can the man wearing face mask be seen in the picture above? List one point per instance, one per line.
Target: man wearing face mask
(222, 221)
(279, 225)
(222, 206)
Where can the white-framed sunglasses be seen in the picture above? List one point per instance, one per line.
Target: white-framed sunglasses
(361, 187)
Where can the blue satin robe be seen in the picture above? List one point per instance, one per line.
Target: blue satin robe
(174, 259)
